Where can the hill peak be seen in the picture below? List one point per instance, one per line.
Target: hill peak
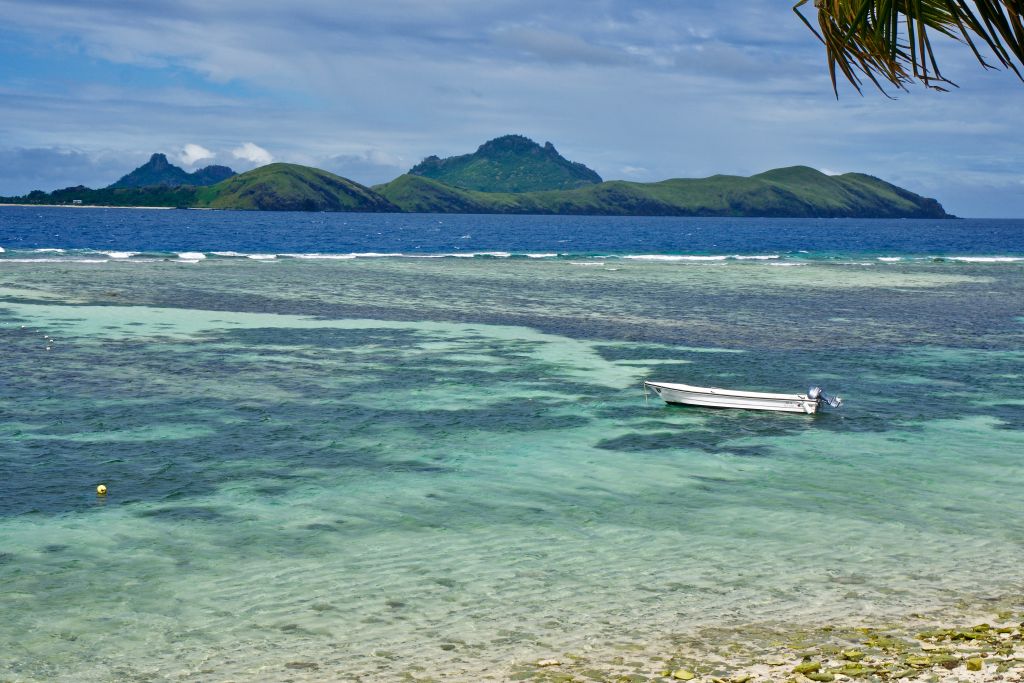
(510, 163)
(512, 143)
(159, 171)
(292, 187)
(792, 173)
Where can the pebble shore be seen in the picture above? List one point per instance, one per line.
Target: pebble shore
(976, 653)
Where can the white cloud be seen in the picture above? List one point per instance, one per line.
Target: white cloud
(254, 153)
(368, 167)
(193, 153)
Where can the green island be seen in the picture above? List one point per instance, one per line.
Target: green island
(507, 175)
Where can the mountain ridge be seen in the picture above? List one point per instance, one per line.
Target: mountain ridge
(510, 163)
(291, 187)
(794, 192)
(159, 171)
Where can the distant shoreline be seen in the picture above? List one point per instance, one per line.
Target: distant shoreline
(91, 206)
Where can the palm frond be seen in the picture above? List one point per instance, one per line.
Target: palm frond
(889, 41)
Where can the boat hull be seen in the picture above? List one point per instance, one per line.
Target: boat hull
(711, 397)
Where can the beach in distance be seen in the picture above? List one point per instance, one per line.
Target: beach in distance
(88, 206)
(416, 447)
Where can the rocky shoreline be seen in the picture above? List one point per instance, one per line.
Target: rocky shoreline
(934, 652)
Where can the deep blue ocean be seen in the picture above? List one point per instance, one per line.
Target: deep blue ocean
(24, 228)
(416, 447)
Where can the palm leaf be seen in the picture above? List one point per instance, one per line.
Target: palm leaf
(889, 41)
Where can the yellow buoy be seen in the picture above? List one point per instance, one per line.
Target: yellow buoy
(101, 490)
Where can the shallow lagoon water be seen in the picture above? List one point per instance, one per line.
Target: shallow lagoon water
(369, 468)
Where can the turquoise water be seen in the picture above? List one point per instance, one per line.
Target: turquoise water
(369, 468)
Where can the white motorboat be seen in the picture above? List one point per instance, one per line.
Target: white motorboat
(713, 397)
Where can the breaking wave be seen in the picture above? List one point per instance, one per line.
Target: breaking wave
(801, 257)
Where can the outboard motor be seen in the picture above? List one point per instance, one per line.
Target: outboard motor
(816, 394)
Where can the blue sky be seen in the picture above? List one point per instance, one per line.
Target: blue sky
(639, 90)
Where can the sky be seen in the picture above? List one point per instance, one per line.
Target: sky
(636, 89)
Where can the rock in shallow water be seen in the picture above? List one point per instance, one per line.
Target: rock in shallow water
(807, 667)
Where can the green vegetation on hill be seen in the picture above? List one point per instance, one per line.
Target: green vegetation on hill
(512, 163)
(797, 192)
(211, 175)
(159, 171)
(851, 191)
(157, 195)
(290, 187)
(513, 174)
(276, 187)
